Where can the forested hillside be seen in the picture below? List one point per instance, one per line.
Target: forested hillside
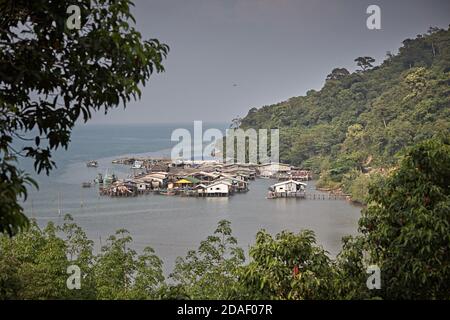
(359, 122)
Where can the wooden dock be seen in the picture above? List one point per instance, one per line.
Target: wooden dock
(325, 196)
(275, 195)
(307, 195)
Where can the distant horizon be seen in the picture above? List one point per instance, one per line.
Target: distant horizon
(91, 123)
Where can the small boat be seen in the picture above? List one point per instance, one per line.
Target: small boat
(109, 179)
(99, 179)
(167, 193)
(92, 164)
(86, 184)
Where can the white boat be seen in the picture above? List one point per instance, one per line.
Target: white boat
(92, 164)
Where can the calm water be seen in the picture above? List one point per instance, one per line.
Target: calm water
(171, 225)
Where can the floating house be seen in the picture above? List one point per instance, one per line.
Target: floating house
(158, 167)
(143, 187)
(201, 190)
(289, 188)
(218, 189)
(156, 180)
(120, 189)
(238, 184)
(182, 183)
(198, 178)
(270, 169)
(187, 182)
(298, 175)
(205, 176)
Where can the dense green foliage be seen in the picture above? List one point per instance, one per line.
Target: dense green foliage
(215, 262)
(291, 266)
(407, 225)
(361, 121)
(52, 76)
(405, 231)
(34, 264)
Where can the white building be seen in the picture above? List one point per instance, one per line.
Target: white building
(142, 186)
(288, 186)
(137, 164)
(201, 189)
(219, 188)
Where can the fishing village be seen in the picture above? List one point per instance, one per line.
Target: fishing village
(202, 178)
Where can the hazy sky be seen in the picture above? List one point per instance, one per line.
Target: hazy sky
(271, 49)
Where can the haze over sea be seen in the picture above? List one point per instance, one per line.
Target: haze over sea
(171, 225)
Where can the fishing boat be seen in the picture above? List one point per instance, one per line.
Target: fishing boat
(92, 164)
(99, 179)
(109, 179)
(167, 192)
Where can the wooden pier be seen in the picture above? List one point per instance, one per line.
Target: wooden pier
(326, 196)
(275, 195)
(307, 195)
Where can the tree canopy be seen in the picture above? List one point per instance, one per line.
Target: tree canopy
(52, 76)
(407, 224)
(338, 73)
(365, 63)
